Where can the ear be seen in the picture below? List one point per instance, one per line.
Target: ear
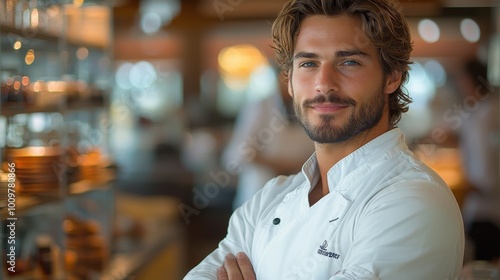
(393, 81)
(290, 88)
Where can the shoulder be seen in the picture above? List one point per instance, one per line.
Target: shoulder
(417, 195)
(413, 180)
(407, 169)
(408, 187)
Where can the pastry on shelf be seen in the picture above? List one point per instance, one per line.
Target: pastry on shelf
(86, 248)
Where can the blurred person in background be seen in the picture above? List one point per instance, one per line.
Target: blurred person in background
(363, 206)
(267, 141)
(479, 138)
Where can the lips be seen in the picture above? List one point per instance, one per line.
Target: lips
(328, 107)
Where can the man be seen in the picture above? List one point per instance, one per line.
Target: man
(479, 132)
(363, 207)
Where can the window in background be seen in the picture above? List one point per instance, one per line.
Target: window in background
(146, 110)
(148, 89)
(425, 78)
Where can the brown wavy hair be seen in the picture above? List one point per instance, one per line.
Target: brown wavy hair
(382, 22)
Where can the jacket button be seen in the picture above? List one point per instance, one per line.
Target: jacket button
(276, 221)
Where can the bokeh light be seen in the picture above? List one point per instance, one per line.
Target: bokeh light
(470, 30)
(429, 30)
(30, 57)
(436, 72)
(237, 63)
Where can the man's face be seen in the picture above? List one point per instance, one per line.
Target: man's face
(337, 83)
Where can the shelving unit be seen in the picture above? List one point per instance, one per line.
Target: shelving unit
(55, 79)
(80, 188)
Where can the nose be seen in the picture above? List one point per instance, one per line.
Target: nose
(326, 79)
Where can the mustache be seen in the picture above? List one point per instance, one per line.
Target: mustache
(331, 98)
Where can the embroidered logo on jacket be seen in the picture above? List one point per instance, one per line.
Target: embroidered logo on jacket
(323, 251)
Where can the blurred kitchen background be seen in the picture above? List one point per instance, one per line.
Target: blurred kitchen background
(116, 113)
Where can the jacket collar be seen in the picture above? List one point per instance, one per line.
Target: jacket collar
(378, 148)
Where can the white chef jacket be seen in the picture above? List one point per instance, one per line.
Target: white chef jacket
(387, 216)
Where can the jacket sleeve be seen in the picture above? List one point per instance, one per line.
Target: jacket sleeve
(412, 234)
(238, 239)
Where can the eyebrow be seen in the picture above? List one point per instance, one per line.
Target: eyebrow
(338, 54)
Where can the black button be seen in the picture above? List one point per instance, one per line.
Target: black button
(276, 221)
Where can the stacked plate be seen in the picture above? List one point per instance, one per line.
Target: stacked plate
(90, 165)
(39, 169)
(3, 189)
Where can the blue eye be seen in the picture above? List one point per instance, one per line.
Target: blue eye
(307, 64)
(350, 63)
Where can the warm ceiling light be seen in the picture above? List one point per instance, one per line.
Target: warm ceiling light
(17, 45)
(34, 18)
(238, 62)
(78, 3)
(30, 57)
(25, 80)
(240, 59)
(38, 86)
(17, 85)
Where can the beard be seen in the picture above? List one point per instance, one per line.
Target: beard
(364, 117)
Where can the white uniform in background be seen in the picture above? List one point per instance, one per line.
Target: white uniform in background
(264, 127)
(479, 143)
(387, 216)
